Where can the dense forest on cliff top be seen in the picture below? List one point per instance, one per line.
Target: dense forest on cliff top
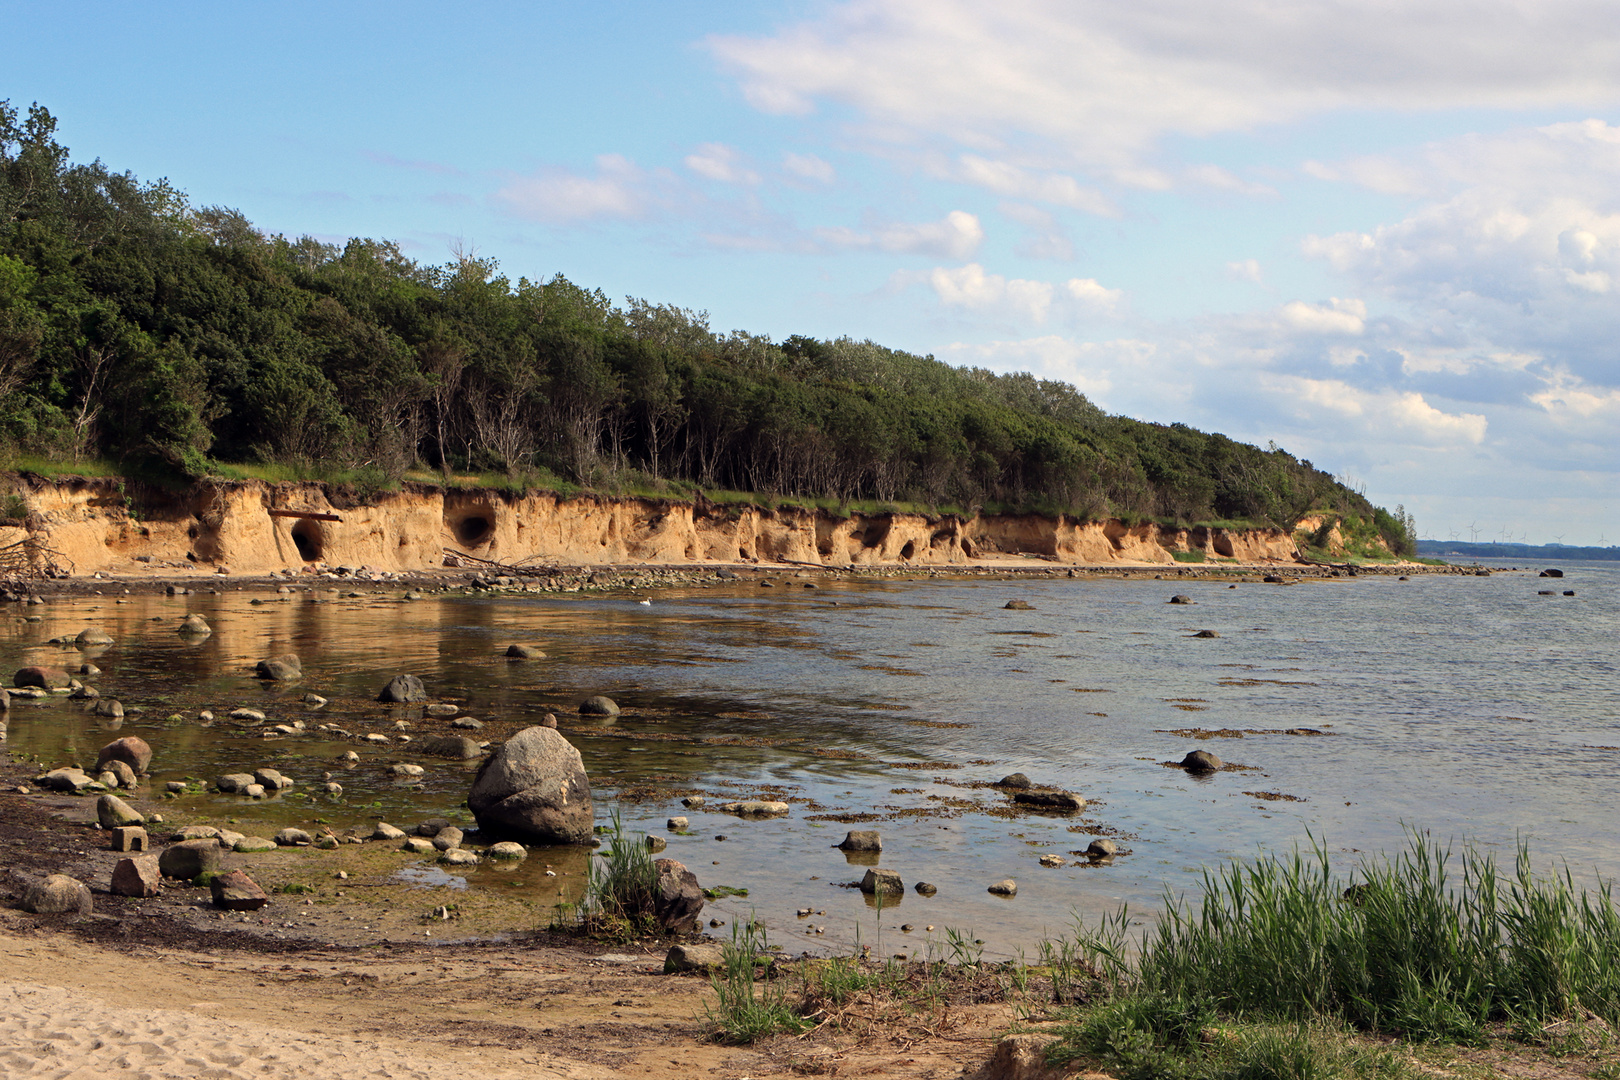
(139, 328)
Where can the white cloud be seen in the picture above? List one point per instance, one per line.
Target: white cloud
(1096, 83)
(809, 167)
(1004, 178)
(558, 196)
(970, 287)
(1377, 413)
(956, 236)
(1568, 398)
(1513, 250)
(1334, 317)
(722, 163)
(1089, 294)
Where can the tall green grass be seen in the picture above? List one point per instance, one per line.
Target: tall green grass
(620, 883)
(1430, 944)
(749, 1004)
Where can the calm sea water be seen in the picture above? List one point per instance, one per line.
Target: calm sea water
(1471, 707)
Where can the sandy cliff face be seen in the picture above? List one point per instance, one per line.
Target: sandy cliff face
(90, 525)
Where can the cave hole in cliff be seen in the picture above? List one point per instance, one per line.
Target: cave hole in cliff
(909, 550)
(968, 549)
(473, 530)
(309, 540)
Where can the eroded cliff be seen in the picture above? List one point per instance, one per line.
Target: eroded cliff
(88, 525)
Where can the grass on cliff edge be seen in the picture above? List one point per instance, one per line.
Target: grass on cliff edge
(1281, 964)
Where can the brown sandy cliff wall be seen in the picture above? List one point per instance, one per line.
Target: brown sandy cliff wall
(93, 526)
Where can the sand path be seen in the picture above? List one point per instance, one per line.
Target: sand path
(60, 1034)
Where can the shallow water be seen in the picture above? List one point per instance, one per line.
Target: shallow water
(1471, 707)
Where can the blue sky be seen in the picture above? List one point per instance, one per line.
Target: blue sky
(1386, 236)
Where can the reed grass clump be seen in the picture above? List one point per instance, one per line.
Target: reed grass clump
(1431, 944)
(622, 879)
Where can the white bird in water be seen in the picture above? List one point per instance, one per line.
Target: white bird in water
(645, 603)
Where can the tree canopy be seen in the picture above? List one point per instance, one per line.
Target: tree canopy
(138, 327)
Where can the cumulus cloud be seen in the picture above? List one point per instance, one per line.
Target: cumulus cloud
(971, 287)
(1513, 248)
(559, 196)
(1380, 413)
(1098, 83)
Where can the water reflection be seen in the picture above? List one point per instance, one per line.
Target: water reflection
(1462, 705)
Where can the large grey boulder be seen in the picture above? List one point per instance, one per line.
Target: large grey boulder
(535, 787)
(677, 897)
(862, 840)
(189, 858)
(57, 895)
(403, 689)
(1202, 761)
(88, 638)
(114, 813)
(131, 750)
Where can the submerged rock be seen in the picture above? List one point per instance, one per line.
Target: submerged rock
(525, 652)
(46, 678)
(598, 706)
(284, 668)
(1202, 761)
(755, 808)
(1050, 799)
(885, 881)
(456, 747)
(861, 840)
(403, 689)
